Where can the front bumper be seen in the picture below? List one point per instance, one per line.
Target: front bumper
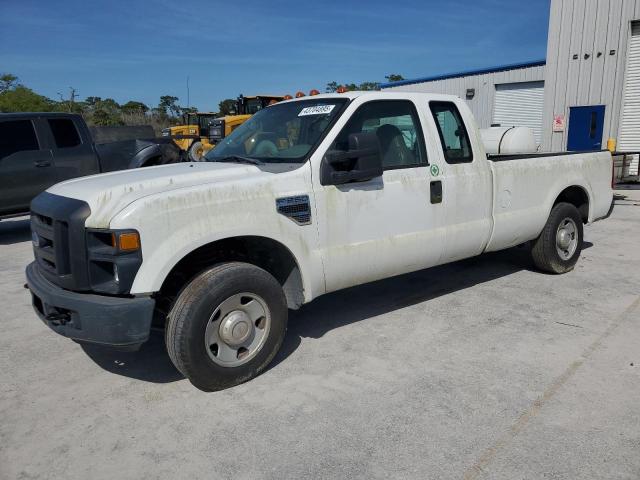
(112, 321)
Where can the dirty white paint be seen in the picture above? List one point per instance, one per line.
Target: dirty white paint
(359, 232)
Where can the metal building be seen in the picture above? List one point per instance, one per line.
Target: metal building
(508, 94)
(587, 92)
(593, 75)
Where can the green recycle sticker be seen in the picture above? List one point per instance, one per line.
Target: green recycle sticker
(435, 170)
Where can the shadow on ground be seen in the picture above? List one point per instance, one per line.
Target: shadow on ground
(152, 364)
(14, 231)
(378, 298)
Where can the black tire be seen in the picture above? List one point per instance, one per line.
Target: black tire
(193, 309)
(544, 252)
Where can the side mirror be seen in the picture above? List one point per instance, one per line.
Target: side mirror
(361, 162)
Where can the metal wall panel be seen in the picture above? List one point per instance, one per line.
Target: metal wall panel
(482, 104)
(629, 136)
(586, 58)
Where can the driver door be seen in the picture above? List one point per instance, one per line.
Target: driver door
(388, 225)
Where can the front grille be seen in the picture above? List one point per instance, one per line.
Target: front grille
(44, 243)
(59, 245)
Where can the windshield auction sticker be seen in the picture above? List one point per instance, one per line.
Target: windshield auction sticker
(316, 110)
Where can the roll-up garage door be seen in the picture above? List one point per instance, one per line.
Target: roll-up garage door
(629, 135)
(520, 105)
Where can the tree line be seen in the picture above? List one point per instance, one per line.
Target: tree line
(333, 86)
(16, 97)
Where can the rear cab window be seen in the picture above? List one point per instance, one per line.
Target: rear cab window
(17, 136)
(452, 131)
(64, 132)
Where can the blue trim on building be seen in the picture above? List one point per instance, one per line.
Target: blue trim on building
(501, 68)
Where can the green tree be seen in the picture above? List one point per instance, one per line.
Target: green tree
(133, 107)
(91, 101)
(69, 106)
(227, 107)
(185, 110)
(7, 82)
(394, 77)
(169, 104)
(332, 87)
(104, 112)
(105, 118)
(369, 86)
(23, 99)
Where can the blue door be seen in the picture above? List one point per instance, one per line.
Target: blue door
(585, 128)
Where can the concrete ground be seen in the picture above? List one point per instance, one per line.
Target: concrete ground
(480, 369)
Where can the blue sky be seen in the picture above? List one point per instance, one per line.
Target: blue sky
(143, 49)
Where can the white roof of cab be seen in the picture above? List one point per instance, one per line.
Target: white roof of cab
(372, 93)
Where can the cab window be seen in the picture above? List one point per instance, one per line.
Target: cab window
(396, 124)
(452, 132)
(17, 136)
(64, 132)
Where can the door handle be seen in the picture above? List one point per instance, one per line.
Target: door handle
(436, 191)
(45, 163)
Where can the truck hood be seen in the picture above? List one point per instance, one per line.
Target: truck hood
(109, 193)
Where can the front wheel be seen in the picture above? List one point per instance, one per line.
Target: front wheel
(226, 325)
(196, 152)
(558, 247)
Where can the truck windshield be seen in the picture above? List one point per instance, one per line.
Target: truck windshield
(281, 133)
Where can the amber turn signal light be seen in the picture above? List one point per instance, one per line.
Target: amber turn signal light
(128, 241)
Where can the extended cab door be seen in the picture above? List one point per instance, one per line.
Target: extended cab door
(466, 177)
(388, 225)
(26, 164)
(72, 148)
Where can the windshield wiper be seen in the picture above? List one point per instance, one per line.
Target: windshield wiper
(239, 159)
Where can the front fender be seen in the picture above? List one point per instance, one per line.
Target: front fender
(174, 224)
(160, 153)
(158, 263)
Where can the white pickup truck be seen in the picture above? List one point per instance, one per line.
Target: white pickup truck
(307, 197)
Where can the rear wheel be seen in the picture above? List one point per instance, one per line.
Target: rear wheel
(558, 247)
(226, 325)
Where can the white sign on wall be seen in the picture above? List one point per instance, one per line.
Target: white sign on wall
(558, 123)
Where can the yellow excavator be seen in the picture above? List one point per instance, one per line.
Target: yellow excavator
(200, 131)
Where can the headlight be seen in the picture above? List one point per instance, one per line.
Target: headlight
(166, 132)
(114, 257)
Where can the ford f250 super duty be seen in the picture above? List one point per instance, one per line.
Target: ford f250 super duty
(307, 197)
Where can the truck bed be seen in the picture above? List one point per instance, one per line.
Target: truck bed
(524, 191)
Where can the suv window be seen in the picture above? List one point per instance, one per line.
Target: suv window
(396, 124)
(64, 132)
(17, 136)
(453, 134)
